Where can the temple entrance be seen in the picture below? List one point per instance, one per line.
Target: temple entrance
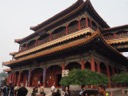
(24, 77)
(103, 68)
(41, 79)
(73, 65)
(58, 78)
(37, 77)
(53, 76)
(16, 78)
(87, 65)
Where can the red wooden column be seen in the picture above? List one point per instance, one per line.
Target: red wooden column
(19, 78)
(36, 42)
(66, 29)
(86, 22)
(13, 77)
(79, 26)
(82, 64)
(114, 35)
(50, 37)
(63, 66)
(98, 68)
(9, 78)
(108, 73)
(92, 64)
(90, 23)
(14, 81)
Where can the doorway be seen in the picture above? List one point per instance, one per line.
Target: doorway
(41, 79)
(58, 78)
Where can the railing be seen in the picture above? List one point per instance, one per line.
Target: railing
(54, 37)
(43, 41)
(46, 43)
(73, 29)
(117, 36)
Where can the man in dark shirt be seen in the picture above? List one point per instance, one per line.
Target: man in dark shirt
(22, 91)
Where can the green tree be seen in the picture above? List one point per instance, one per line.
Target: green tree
(84, 77)
(120, 78)
(3, 74)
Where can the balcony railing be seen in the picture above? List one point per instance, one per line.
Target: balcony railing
(46, 42)
(117, 36)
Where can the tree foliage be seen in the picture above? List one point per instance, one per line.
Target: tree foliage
(84, 77)
(120, 78)
(3, 74)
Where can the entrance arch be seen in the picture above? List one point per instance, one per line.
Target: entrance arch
(87, 65)
(103, 68)
(110, 70)
(16, 78)
(53, 76)
(24, 77)
(73, 65)
(37, 77)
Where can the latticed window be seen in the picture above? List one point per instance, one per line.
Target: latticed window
(82, 23)
(43, 39)
(73, 26)
(59, 32)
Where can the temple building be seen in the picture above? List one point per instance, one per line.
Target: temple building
(77, 38)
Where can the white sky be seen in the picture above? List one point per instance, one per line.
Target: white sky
(16, 17)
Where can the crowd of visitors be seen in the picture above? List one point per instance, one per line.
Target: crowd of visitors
(10, 90)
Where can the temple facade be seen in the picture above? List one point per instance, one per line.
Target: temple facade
(77, 38)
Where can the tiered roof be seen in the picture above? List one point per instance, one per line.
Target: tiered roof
(76, 7)
(95, 37)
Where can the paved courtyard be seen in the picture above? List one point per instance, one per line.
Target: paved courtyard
(114, 91)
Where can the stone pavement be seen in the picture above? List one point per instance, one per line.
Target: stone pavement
(117, 91)
(114, 91)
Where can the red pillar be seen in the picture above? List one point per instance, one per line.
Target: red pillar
(13, 75)
(36, 42)
(108, 73)
(79, 26)
(50, 37)
(114, 35)
(63, 66)
(86, 22)
(19, 77)
(90, 23)
(82, 64)
(14, 79)
(98, 67)
(66, 29)
(92, 64)
(9, 79)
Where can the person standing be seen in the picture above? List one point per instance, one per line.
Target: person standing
(22, 91)
(102, 90)
(66, 92)
(11, 89)
(56, 93)
(16, 89)
(42, 91)
(34, 91)
(5, 90)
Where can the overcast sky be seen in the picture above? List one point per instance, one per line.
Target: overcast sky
(16, 17)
